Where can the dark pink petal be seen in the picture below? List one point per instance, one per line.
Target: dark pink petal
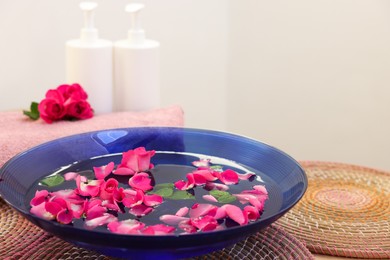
(130, 161)
(236, 214)
(53, 207)
(77, 209)
(41, 212)
(206, 174)
(70, 176)
(182, 212)
(172, 219)
(140, 210)
(206, 223)
(152, 200)
(245, 176)
(144, 158)
(158, 230)
(99, 221)
(228, 177)
(186, 185)
(88, 187)
(141, 181)
(95, 212)
(110, 204)
(251, 212)
(199, 210)
(65, 216)
(40, 197)
(103, 171)
(108, 188)
(130, 226)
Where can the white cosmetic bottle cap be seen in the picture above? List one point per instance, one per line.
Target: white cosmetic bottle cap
(88, 33)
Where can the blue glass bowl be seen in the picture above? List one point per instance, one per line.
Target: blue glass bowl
(283, 177)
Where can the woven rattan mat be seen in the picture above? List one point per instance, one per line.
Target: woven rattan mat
(344, 212)
(19, 239)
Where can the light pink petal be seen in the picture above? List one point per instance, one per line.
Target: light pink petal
(209, 198)
(245, 176)
(258, 204)
(216, 186)
(261, 189)
(123, 171)
(140, 210)
(65, 216)
(141, 181)
(159, 230)
(70, 176)
(152, 200)
(182, 211)
(132, 197)
(236, 214)
(99, 221)
(95, 212)
(221, 213)
(144, 159)
(251, 212)
(200, 209)
(130, 160)
(172, 219)
(129, 226)
(110, 204)
(228, 177)
(244, 198)
(41, 212)
(202, 163)
(103, 171)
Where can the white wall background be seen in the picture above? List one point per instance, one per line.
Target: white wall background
(309, 77)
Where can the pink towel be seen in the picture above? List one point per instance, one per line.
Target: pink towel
(18, 133)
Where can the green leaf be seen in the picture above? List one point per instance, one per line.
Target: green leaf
(181, 195)
(34, 112)
(53, 180)
(222, 196)
(164, 192)
(164, 185)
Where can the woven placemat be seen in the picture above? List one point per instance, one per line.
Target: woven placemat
(19, 239)
(344, 212)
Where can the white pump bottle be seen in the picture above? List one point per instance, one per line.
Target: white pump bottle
(136, 68)
(89, 63)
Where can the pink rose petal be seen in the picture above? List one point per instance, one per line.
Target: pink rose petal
(186, 185)
(236, 214)
(141, 181)
(70, 176)
(199, 210)
(209, 198)
(216, 186)
(140, 210)
(251, 212)
(40, 197)
(103, 171)
(152, 200)
(172, 219)
(100, 221)
(182, 211)
(245, 176)
(158, 230)
(41, 212)
(228, 177)
(206, 223)
(65, 216)
(130, 226)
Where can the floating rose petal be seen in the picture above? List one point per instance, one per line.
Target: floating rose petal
(152, 200)
(202, 163)
(99, 221)
(186, 185)
(95, 212)
(251, 212)
(182, 211)
(108, 188)
(158, 230)
(103, 171)
(187, 226)
(70, 176)
(132, 197)
(216, 186)
(40, 197)
(140, 210)
(228, 177)
(209, 198)
(199, 210)
(245, 176)
(133, 161)
(261, 189)
(172, 219)
(129, 226)
(65, 216)
(41, 212)
(141, 181)
(88, 187)
(206, 223)
(236, 214)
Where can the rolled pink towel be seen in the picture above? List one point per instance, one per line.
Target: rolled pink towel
(19, 133)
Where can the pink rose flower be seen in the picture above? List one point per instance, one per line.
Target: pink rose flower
(134, 161)
(78, 108)
(52, 107)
